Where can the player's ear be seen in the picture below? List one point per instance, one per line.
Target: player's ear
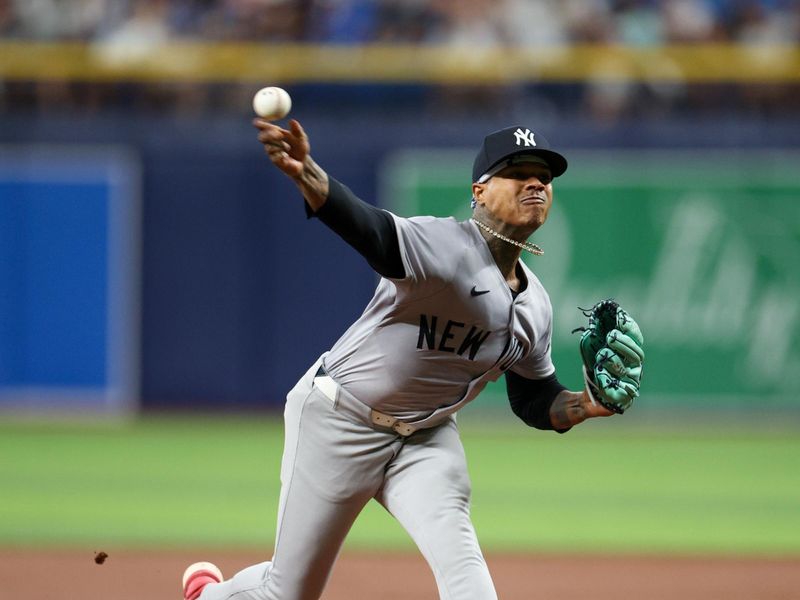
(477, 191)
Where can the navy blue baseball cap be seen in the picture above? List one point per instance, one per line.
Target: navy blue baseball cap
(502, 147)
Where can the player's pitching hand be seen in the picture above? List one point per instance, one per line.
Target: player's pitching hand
(286, 148)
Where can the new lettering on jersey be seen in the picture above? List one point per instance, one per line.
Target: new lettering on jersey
(453, 330)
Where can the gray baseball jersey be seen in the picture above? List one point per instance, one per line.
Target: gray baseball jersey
(436, 337)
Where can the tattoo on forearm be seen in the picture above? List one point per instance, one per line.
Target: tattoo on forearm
(313, 183)
(566, 410)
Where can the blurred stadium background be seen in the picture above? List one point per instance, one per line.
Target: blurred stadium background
(154, 267)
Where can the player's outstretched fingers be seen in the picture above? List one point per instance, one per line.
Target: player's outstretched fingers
(269, 133)
(297, 130)
(298, 140)
(286, 149)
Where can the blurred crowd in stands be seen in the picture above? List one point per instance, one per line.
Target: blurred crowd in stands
(444, 22)
(645, 22)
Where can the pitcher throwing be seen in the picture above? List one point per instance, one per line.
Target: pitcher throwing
(374, 417)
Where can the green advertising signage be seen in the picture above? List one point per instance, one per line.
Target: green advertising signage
(702, 248)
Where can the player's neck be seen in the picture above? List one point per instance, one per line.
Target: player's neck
(505, 247)
(506, 258)
(513, 235)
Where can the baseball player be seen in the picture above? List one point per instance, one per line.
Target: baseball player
(374, 417)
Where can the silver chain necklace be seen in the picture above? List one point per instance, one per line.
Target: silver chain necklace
(529, 246)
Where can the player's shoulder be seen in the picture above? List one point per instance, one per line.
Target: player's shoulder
(438, 227)
(429, 221)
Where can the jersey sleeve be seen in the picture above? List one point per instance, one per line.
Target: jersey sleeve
(538, 363)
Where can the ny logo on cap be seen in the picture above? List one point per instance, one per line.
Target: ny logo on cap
(524, 137)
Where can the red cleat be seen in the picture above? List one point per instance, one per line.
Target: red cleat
(197, 576)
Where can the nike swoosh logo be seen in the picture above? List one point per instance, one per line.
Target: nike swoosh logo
(474, 292)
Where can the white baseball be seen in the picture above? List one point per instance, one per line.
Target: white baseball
(272, 103)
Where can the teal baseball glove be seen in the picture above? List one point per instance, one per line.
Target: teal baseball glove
(612, 354)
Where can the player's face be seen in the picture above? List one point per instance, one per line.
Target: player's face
(520, 195)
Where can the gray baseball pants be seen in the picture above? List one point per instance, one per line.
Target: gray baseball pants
(333, 463)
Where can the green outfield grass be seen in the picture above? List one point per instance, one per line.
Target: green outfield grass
(177, 482)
